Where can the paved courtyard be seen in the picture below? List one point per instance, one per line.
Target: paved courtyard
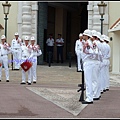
(55, 95)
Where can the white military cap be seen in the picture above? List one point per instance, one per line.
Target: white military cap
(3, 37)
(107, 38)
(80, 34)
(26, 38)
(16, 33)
(101, 38)
(98, 35)
(32, 38)
(94, 33)
(87, 32)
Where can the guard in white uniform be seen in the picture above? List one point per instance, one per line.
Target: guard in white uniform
(4, 51)
(96, 69)
(16, 51)
(102, 65)
(35, 51)
(79, 51)
(25, 55)
(88, 66)
(107, 57)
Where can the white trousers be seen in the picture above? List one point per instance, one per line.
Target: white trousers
(33, 69)
(96, 79)
(102, 76)
(107, 74)
(16, 58)
(79, 57)
(24, 73)
(4, 61)
(88, 73)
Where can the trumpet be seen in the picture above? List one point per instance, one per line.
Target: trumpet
(35, 47)
(6, 45)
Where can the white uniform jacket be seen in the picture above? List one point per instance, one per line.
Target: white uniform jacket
(5, 49)
(16, 44)
(34, 50)
(25, 53)
(78, 46)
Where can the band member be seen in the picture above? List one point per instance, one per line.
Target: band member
(107, 55)
(35, 51)
(79, 51)
(25, 55)
(60, 45)
(97, 60)
(88, 66)
(4, 51)
(102, 65)
(50, 47)
(16, 51)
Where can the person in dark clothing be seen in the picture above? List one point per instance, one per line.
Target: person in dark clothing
(60, 45)
(50, 47)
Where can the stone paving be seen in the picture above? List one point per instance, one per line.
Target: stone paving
(57, 84)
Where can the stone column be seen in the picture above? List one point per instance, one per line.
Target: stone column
(96, 17)
(26, 19)
(90, 14)
(106, 18)
(34, 19)
(19, 19)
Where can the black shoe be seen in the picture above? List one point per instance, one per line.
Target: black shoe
(7, 80)
(16, 69)
(96, 98)
(22, 83)
(34, 81)
(101, 92)
(29, 83)
(85, 102)
(107, 89)
(0, 80)
(104, 90)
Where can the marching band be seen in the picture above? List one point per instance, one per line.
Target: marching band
(91, 47)
(95, 56)
(24, 55)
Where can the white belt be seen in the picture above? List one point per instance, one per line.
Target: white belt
(90, 60)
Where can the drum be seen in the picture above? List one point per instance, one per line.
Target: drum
(26, 65)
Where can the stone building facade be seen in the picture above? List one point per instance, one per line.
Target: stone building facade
(69, 19)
